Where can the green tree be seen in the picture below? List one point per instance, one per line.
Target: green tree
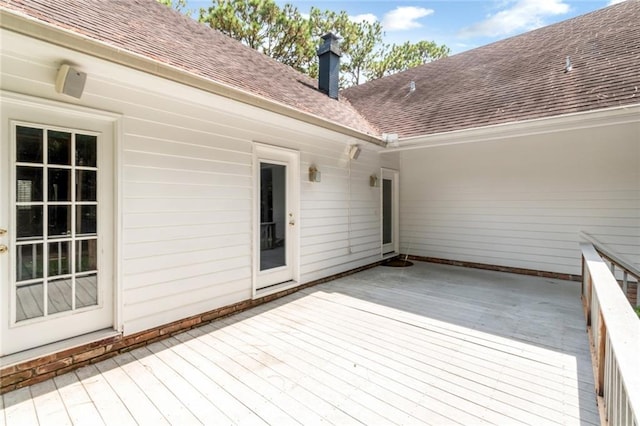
(179, 5)
(395, 58)
(284, 34)
(358, 42)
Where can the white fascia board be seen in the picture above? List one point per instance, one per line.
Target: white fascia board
(29, 26)
(561, 123)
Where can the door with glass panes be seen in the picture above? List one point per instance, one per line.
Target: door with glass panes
(58, 234)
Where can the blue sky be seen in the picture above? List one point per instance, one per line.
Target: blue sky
(460, 24)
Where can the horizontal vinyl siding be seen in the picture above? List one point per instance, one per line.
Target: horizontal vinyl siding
(522, 202)
(186, 182)
(339, 231)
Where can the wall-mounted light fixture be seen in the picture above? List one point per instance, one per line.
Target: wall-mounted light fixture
(314, 174)
(70, 81)
(373, 181)
(354, 152)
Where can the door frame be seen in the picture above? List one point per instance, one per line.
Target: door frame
(266, 152)
(18, 108)
(393, 248)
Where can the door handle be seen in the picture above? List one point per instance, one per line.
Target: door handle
(3, 249)
(3, 232)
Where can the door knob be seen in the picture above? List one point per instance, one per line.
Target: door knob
(3, 232)
(3, 249)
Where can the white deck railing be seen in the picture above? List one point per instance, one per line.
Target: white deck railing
(614, 330)
(629, 275)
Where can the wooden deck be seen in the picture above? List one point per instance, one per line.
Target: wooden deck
(428, 344)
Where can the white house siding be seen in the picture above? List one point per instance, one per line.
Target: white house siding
(186, 186)
(522, 202)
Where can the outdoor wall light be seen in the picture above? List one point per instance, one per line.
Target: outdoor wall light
(354, 152)
(373, 181)
(314, 174)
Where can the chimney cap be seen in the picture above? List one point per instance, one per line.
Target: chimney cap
(330, 44)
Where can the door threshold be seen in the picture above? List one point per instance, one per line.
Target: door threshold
(52, 348)
(275, 288)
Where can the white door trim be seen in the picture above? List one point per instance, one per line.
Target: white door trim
(262, 151)
(393, 248)
(27, 109)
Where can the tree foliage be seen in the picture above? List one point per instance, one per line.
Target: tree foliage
(288, 36)
(395, 58)
(179, 5)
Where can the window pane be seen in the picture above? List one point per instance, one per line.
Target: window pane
(273, 215)
(28, 262)
(28, 184)
(86, 151)
(86, 255)
(29, 222)
(86, 291)
(29, 301)
(59, 258)
(28, 145)
(86, 220)
(59, 221)
(86, 186)
(59, 147)
(59, 185)
(387, 209)
(59, 294)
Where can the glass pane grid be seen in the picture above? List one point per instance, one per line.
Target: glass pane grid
(50, 264)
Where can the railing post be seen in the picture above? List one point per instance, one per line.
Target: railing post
(600, 353)
(589, 301)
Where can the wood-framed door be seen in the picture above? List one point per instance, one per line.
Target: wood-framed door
(276, 242)
(390, 208)
(57, 271)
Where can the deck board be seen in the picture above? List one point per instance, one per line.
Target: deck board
(428, 344)
(49, 405)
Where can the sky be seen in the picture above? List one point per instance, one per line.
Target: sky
(459, 24)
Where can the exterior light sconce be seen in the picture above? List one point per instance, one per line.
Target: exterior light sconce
(314, 174)
(373, 181)
(354, 152)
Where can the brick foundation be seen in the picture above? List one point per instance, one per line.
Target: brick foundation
(521, 271)
(43, 368)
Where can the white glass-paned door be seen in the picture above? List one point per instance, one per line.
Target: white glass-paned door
(277, 171)
(56, 206)
(390, 212)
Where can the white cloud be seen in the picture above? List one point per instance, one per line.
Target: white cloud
(404, 18)
(366, 17)
(518, 16)
(612, 2)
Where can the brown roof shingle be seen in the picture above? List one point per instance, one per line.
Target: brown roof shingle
(512, 80)
(516, 79)
(147, 28)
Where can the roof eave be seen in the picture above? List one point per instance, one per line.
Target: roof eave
(566, 122)
(27, 25)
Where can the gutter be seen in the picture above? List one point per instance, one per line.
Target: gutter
(32, 27)
(567, 122)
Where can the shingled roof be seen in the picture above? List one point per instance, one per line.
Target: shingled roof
(516, 79)
(149, 29)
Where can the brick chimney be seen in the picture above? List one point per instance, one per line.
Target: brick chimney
(329, 69)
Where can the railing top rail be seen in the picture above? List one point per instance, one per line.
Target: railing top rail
(621, 322)
(610, 254)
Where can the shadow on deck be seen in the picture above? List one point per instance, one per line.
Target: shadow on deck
(427, 344)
